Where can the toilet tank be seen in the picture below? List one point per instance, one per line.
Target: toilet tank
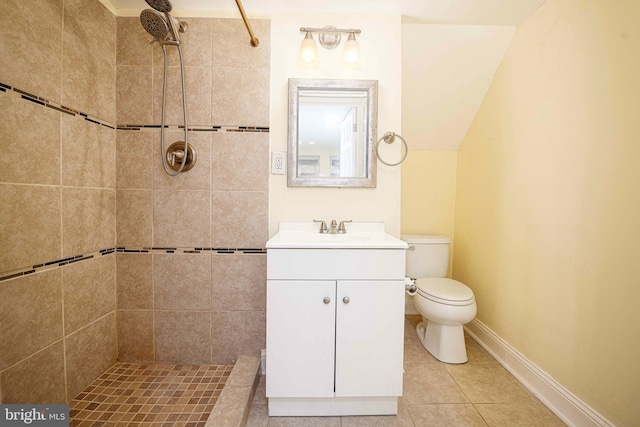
(430, 258)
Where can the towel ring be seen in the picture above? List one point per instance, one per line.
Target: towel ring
(389, 138)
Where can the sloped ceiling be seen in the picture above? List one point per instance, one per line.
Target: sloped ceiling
(446, 72)
(451, 50)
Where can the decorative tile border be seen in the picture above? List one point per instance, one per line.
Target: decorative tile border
(54, 264)
(153, 250)
(197, 128)
(54, 105)
(144, 250)
(168, 250)
(92, 119)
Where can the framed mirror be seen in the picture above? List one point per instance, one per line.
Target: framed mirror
(332, 133)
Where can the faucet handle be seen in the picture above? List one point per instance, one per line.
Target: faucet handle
(323, 226)
(341, 227)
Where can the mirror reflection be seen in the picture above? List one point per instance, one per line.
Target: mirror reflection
(331, 132)
(331, 137)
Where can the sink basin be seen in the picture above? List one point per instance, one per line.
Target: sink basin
(305, 235)
(330, 237)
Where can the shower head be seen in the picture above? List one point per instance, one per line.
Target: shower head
(154, 23)
(162, 26)
(163, 6)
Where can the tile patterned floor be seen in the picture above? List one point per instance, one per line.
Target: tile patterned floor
(478, 393)
(131, 394)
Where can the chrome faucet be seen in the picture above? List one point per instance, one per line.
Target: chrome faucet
(341, 227)
(334, 228)
(323, 226)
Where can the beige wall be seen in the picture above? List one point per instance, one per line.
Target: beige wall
(75, 188)
(204, 301)
(428, 193)
(379, 44)
(57, 199)
(548, 201)
(439, 100)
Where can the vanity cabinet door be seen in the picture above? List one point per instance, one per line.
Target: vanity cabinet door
(300, 338)
(369, 338)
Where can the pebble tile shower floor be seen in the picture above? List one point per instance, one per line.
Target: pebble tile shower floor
(130, 394)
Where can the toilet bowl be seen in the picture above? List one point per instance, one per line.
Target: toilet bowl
(444, 304)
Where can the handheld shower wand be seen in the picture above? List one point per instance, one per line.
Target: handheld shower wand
(164, 28)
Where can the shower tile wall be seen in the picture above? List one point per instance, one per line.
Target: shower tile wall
(57, 198)
(191, 262)
(69, 304)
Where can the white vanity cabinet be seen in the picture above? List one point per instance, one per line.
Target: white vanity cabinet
(335, 330)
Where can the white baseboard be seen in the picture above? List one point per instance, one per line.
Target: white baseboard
(558, 399)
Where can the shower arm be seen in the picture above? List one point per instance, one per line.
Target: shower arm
(254, 40)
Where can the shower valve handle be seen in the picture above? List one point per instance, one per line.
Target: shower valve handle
(175, 155)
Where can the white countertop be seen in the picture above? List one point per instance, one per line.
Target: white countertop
(359, 235)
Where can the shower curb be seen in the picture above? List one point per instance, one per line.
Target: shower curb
(234, 403)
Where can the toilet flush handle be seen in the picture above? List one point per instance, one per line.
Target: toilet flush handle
(411, 248)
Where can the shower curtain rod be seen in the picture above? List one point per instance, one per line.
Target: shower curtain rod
(254, 40)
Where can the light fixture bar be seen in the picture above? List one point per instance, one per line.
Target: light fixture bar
(330, 30)
(329, 38)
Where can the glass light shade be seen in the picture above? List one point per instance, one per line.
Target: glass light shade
(308, 56)
(351, 54)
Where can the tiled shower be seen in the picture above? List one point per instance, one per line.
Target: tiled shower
(103, 256)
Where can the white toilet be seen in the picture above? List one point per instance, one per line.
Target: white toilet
(445, 304)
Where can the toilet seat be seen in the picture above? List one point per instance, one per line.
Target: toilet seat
(445, 291)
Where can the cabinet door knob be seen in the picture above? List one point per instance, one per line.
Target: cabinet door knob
(346, 300)
(326, 300)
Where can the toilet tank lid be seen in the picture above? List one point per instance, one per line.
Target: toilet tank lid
(424, 238)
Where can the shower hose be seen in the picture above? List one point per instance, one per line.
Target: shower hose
(184, 113)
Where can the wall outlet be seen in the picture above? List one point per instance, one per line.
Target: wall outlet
(278, 162)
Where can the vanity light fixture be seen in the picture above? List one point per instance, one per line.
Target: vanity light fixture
(308, 56)
(329, 38)
(351, 53)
